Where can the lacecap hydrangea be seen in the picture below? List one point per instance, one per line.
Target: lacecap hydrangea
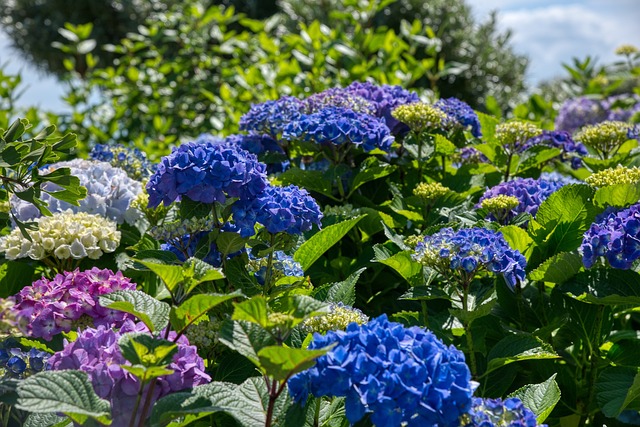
(460, 114)
(110, 192)
(279, 209)
(464, 253)
(336, 126)
(606, 138)
(206, 172)
(97, 353)
(510, 412)
(615, 235)
(69, 300)
(396, 374)
(338, 318)
(133, 161)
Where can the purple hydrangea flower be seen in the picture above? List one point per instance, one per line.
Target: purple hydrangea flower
(272, 116)
(571, 150)
(49, 307)
(529, 192)
(461, 114)
(498, 413)
(396, 374)
(279, 209)
(470, 250)
(206, 172)
(578, 112)
(339, 127)
(470, 155)
(615, 235)
(97, 353)
(339, 97)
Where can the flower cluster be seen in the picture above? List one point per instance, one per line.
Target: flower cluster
(420, 116)
(282, 265)
(336, 126)
(338, 318)
(206, 172)
(97, 353)
(615, 235)
(19, 364)
(7, 317)
(339, 97)
(621, 108)
(430, 192)
(261, 144)
(469, 155)
(559, 139)
(280, 209)
(626, 49)
(459, 113)
(49, 307)
(397, 374)
(498, 413)
(133, 161)
(529, 192)
(109, 192)
(558, 177)
(195, 244)
(613, 176)
(64, 235)
(204, 335)
(272, 116)
(500, 206)
(579, 112)
(514, 135)
(464, 253)
(176, 229)
(606, 138)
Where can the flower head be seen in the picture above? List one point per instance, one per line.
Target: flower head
(110, 192)
(204, 335)
(470, 155)
(513, 136)
(459, 113)
(606, 138)
(420, 116)
(133, 161)
(613, 176)
(615, 235)
(430, 192)
(64, 235)
(339, 97)
(396, 374)
(206, 172)
(626, 49)
(499, 413)
(272, 116)
(338, 318)
(500, 206)
(464, 253)
(570, 150)
(578, 112)
(19, 364)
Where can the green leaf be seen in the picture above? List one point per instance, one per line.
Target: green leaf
(254, 310)
(559, 268)
(617, 389)
(171, 275)
(488, 125)
(68, 392)
(514, 348)
(282, 362)
(619, 195)
(47, 420)
(517, 238)
(150, 311)
(195, 271)
(228, 243)
(140, 348)
(319, 243)
(369, 172)
(540, 398)
(605, 286)
(404, 265)
(190, 209)
(418, 293)
(475, 313)
(344, 292)
(246, 338)
(195, 307)
(443, 146)
(147, 373)
(239, 277)
(311, 180)
(300, 307)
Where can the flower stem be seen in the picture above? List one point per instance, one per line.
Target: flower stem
(147, 403)
(467, 332)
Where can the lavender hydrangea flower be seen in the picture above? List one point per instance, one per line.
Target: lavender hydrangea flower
(97, 353)
(615, 235)
(110, 192)
(339, 97)
(459, 113)
(19, 364)
(578, 112)
(571, 150)
(529, 192)
(49, 307)
(498, 413)
(463, 254)
(471, 155)
(272, 116)
(279, 209)
(133, 161)
(396, 374)
(206, 172)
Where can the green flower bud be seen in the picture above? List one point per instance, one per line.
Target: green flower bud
(613, 176)
(338, 318)
(604, 138)
(515, 133)
(419, 116)
(430, 192)
(626, 50)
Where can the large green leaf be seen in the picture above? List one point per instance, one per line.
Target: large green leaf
(195, 307)
(281, 362)
(246, 338)
(150, 311)
(617, 389)
(404, 265)
(559, 268)
(311, 180)
(540, 398)
(344, 292)
(605, 286)
(171, 275)
(517, 238)
(319, 243)
(68, 392)
(47, 420)
(619, 195)
(140, 348)
(254, 310)
(515, 348)
(370, 172)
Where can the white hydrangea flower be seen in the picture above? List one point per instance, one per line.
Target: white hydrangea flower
(110, 192)
(64, 235)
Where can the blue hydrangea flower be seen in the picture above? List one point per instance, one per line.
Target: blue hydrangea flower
(578, 112)
(397, 374)
(558, 177)
(131, 160)
(339, 97)
(191, 245)
(571, 150)
(498, 413)
(471, 155)
(279, 209)
(206, 172)
(464, 253)
(340, 127)
(16, 363)
(271, 117)
(460, 113)
(615, 235)
(529, 192)
(283, 265)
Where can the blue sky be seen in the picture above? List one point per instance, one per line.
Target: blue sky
(549, 32)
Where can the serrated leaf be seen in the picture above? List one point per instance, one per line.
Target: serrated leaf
(246, 338)
(195, 271)
(319, 243)
(418, 293)
(559, 268)
(300, 307)
(619, 195)
(344, 292)
(282, 362)
(517, 238)
(540, 398)
(311, 180)
(150, 311)
(617, 389)
(228, 243)
(142, 349)
(443, 146)
(515, 348)
(171, 275)
(475, 313)
(405, 266)
(254, 310)
(68, 392)
(606, 286)
(195, 307)
(47, 420)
